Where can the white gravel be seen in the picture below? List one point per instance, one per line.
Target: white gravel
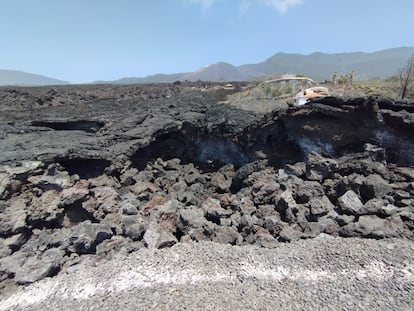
(320, 274)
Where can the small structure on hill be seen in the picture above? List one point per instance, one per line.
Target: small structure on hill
(292, 79)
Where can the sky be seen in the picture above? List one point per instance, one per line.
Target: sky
(88, 40)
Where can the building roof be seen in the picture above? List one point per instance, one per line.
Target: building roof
(287, 77)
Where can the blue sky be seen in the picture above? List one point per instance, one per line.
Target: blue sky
(87, 40)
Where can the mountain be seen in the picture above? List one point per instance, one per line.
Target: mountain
(215, 72)
(14, 77)
(157, 78)
(319, 66)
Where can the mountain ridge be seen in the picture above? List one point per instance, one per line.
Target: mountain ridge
(317, 65)
(21, 78)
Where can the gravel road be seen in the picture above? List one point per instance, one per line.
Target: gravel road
(321, 274)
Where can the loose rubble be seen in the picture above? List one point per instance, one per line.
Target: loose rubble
(188, 176)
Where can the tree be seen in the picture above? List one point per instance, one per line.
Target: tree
(406, 76)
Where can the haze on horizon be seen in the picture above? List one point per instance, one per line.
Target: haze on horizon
(83, 41)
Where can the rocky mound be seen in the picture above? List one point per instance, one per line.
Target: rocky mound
(170, 165)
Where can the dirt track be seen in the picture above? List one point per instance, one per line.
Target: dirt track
(320, 274)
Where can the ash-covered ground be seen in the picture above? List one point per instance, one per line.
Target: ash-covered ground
(97, 171)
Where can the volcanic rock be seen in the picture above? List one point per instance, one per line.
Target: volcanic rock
(37, 268)
(350, 204)
(158, 237)
(90, 176)
(13, 217)
(86, 235)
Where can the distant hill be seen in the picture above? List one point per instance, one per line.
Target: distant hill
(318, 66)
(14, 77)
(321, 66)
(215, 72)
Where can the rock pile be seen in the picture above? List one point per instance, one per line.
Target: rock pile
(157, 171)
(51, 219)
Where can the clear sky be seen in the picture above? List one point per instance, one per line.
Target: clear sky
(87, 40)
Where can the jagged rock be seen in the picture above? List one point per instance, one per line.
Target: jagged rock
(318, 168)
(379, 207)
(264, 239)
(306, 190)
(129, 209)
(22, 169)
(144, 189)
(287, 206)
(194, 176)
(46, 210)
(350, 203)
(246, 206)
(105, 200)
(376, 153)
(326, 224)
(289, 234)
(244, 171)
(114, 221)
(134, 226)
(5, 185)
(40, 240)
(166, 215)
(407, 215)
(13, 217)
(136, 231)
(401, 194)
(264, 186)
(78, 193)
(117, 244)
(388, 210)
(371, 186)
(14, 242)
(227, 235)
(320, 206)
(158, 237)
(86, 236)
(298, 169)
(52, 179)
(343, 220)
(37, 268)
(374, 186)
(56, 237)
(266, 210)
(10, 265)
(205, 233)
(212, 209)
(371, 226)
(273, 224)
(153, 205)
(235, 219)
(129, 194)
(246, 224)
(221, 181)
(173, 164)
(192, 217)
(406, 172)
(4, 250)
